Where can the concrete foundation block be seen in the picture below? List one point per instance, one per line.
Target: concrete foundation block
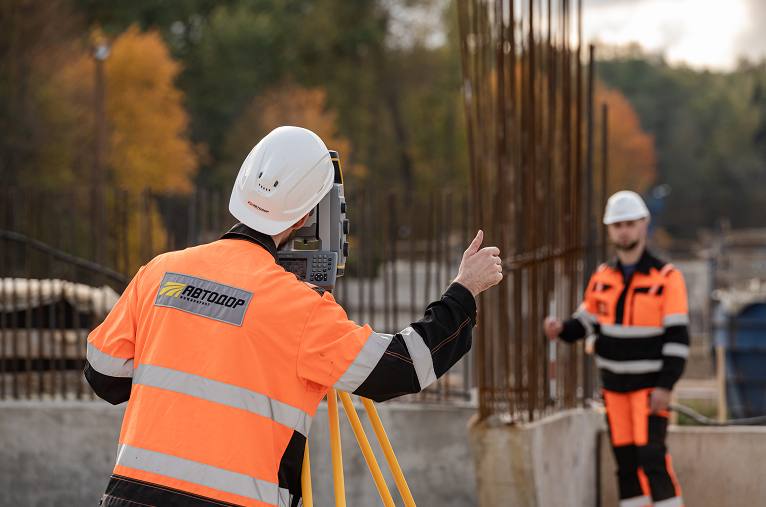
(548, 463)
(60, 454)
(715, 466)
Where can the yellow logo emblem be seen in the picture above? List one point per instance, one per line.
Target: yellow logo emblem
(172, 289)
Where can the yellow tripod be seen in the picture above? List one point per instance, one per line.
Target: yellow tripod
(364, 445)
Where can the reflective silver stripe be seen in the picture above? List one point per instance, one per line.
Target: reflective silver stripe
(675, 349)
(642, 366)
(631, 331)
(225, 394)
(585, 314)
(587, 320)
(585, 323)
(636, 501)
(421, 357)
(109, 365)
(676, 501)
(676, 319)
(364, 363)
(284, 498)
(202, 474)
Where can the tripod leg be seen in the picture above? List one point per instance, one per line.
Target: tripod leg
(337, 453)
(308, 497)
(388, 450)
(364, 445)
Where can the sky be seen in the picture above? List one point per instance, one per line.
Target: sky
(711, 34)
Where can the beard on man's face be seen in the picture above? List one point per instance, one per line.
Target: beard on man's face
(627, 247)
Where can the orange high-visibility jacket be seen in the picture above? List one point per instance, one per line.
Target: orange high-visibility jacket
(224, 358)
(641, 324)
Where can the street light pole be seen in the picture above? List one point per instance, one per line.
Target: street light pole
(98, 176)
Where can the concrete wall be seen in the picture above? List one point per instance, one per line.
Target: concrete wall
(716, 467)
(56, 454)
(61, 454)
(549, 463)
(431, 443)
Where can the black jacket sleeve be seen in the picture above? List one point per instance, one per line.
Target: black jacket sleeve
(573, 331)
(426, 350)
(674, 352)
(115, 390)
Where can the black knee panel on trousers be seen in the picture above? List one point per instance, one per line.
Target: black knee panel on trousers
(658, 428)
(626, 457)
(651, 457)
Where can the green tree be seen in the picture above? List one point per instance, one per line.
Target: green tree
(383, 92)
(705, 128)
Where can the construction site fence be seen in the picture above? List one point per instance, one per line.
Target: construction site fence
(62, 270)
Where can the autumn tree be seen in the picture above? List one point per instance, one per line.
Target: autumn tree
(148, 144)
(286, 104)
(631, 157)
(148, 148)
(706, 127)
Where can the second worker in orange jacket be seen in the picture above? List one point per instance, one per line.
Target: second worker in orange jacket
(636, 306)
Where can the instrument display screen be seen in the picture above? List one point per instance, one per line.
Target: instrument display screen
(296, 266)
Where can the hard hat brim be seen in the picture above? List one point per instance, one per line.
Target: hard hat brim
(244, 214)
(624, 218)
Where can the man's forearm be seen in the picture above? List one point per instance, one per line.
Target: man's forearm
(424, 351)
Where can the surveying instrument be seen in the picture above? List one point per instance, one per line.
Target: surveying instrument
(317, 255)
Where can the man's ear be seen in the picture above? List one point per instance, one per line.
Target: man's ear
(300, 223)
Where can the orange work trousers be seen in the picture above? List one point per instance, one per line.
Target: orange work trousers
(644, 469)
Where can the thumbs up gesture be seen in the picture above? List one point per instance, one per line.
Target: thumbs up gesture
(480, 268)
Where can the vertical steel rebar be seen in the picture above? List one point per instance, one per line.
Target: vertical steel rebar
(526, 123)
(604, 172)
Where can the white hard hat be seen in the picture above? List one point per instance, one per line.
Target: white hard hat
(624, 206)
(287, 173)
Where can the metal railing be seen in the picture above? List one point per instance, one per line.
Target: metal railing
(53, 292)
(45, 318)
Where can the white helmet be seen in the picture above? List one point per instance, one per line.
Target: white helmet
(284, 177)
(623, 206)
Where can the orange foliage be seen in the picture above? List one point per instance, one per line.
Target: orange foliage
(631, 156)
(289, 104)
(146, 122)
(148, 147)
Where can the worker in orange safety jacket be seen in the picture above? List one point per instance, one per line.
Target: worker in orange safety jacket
(224, 357)
(636, 307)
